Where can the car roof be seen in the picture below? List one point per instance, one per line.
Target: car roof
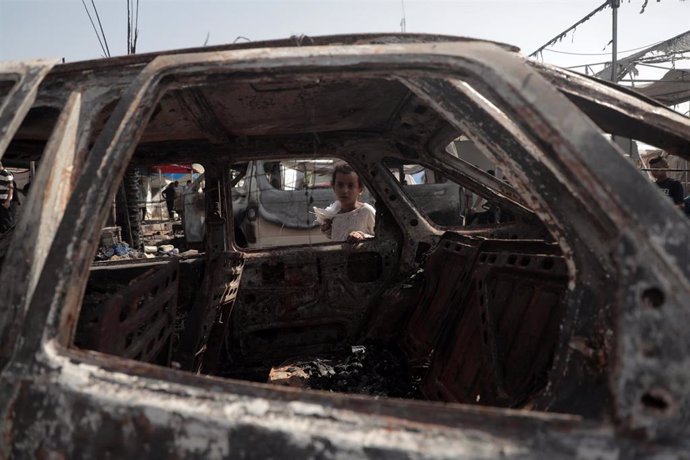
(299, 40)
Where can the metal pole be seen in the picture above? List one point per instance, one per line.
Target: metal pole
(403, 19)
(160, 195)
(614, 50)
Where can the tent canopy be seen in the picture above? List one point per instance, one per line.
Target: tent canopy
(673, 88)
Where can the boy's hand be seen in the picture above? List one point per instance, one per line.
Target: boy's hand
(6, 204)
(355, 236)
(326, 226)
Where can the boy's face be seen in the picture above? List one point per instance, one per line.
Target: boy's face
(658, 174)
(347, 188)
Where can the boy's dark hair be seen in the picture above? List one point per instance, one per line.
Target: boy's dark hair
(343, 168)
(658, 162)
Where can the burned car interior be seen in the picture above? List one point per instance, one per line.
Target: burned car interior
(539, 303)
(251, 310)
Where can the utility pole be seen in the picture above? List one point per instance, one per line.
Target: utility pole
(403, 19)
(614, 49)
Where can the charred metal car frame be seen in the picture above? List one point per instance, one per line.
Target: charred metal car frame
(617, 384)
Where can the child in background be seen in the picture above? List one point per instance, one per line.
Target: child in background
(347, 218)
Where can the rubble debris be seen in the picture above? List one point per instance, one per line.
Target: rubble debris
(120, 251)
(110, 236)
(371, 369)
(290, 376)
(117, 251)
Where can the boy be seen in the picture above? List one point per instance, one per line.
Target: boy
(6, 195)
(670, 187)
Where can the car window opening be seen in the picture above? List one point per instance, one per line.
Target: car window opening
(313, 310)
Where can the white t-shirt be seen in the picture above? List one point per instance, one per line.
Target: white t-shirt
(361, 219)
(6, 179)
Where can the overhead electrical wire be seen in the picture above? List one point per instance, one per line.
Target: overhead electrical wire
(136, 26)
(600, 54)
(94, 28)
(98, 18)
(642, 61)
(129, 28)
(662, 68)
(639, 63)
(132, 25)
(586, 65)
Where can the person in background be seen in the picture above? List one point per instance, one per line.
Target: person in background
(6, 195)
(141, 199)
(14, 205)
(671, 187)
(170, 193)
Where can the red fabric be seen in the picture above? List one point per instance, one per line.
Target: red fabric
(173, 169)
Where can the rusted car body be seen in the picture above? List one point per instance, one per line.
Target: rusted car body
(559, 334)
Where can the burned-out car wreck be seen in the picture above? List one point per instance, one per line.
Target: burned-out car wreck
(559, 330)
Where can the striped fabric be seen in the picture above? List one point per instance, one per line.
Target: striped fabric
(6, 179)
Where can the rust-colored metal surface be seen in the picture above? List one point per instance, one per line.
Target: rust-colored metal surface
(303, 301)
(225, 296)
(502, 335)
(136, 322)
(207, 322)
(25, 258)
(23, 79)
(446, 275)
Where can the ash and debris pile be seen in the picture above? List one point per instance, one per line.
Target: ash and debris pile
(91, 311)
(370, 369)
(117, 251)
(121, 251)
(162, 241)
